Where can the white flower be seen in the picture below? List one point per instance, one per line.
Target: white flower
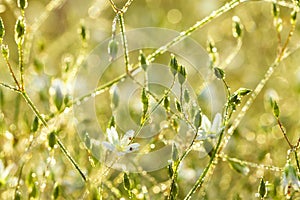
(210, 130)
(122, 146)
(290, 180)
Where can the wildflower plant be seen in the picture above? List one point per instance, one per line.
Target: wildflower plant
(98, 108)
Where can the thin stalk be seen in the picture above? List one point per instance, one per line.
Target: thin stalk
(281, 56)
(10, 87)
(201, 179)
(12, 73)
(284, 133)
(62, 147)
(124, 42)
(21, 65)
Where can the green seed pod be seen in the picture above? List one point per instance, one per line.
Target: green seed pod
(178, 106)
(145, 102)
(182, 74)
(175, 156)
(143, 61)
(20, 29)
(167, 103)
(22, 4)
(113, 48)
(237, 27)
(275, 10)
(5, 51)
(174, 65)
(293, 17)
(52, 139)
(87, 141)
(239, 167)
(56, 191)
(186, 96)
(33, 193)
(18, 195)
(262, 190)
(115, 99)
(2, 30)
(219, 73)
(111, 122)
(198, 119)
(175, 125)
(83, 33)
(35, 125)
(243, 91)
(58, 97)
(126, 182)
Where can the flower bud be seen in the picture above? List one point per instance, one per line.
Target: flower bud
(237, 27)
(173, 64)
(20, 29)
(113, 48)
(22, 4)
(2, 30)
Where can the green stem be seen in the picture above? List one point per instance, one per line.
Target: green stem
(124, 42)
(201, 179)
(21, 66)
(62, 147)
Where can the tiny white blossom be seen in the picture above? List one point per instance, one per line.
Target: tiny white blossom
(290, 180)
(123, 146)
(210, 130)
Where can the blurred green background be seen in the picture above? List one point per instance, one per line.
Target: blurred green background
(55, 39)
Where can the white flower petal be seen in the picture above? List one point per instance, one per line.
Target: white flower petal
(109, 146)
(201, 135)
(215, 128)
(127, 138)
(112, 135)
(132, 147)
(205, 124)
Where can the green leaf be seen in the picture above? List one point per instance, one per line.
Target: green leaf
(52, 139)
(219, 73)
(262, 190)
(276, 110)
(126, 182)
(238, 166)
